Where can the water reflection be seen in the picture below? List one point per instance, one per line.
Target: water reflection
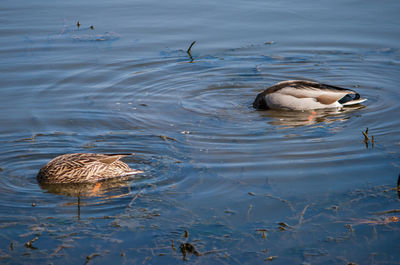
(105, 191)
(99, 189)
(290, 119)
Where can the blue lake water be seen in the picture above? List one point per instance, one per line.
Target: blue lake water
(247, 186)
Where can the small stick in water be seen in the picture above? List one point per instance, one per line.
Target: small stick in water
(188, 51)
(366, 137)
(91, 256)
(301, 215)
(188, 248)
(29, 243)
(190, 47)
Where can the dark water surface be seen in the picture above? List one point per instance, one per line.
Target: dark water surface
(248, 186)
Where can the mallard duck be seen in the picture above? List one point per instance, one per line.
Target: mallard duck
(305, 95)
(84, 168)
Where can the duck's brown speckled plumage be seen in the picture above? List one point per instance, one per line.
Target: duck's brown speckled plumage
(84, 168)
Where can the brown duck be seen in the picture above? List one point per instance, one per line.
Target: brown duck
(84, 168)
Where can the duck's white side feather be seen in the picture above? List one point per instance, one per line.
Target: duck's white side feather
(285, 101)
(304, 95)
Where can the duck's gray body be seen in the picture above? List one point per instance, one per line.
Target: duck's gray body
(84, 168)
(305, 95)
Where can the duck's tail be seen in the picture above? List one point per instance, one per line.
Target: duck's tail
(351, 99)
(133, 172)
(354, 102)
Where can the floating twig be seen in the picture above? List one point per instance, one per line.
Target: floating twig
(190, 47)
(60, 248)
(229, 211)
(301, 215)
(381, 221)
(263, 232)
(350, 227)
(367, 138)
(189, 51)
(288, 203)
(29, 243)
(187, 248)
(91, 256)
(284, 226)
(388, 211)
(167, 138)
(172, 245)
(135, 197)
(270, 258)
(248, 211)
(212, 251)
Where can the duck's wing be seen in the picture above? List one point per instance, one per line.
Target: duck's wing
(351, 97)
(113, 161)
(103, 166)
(111, 158)
(89, 164)
(88, 158)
